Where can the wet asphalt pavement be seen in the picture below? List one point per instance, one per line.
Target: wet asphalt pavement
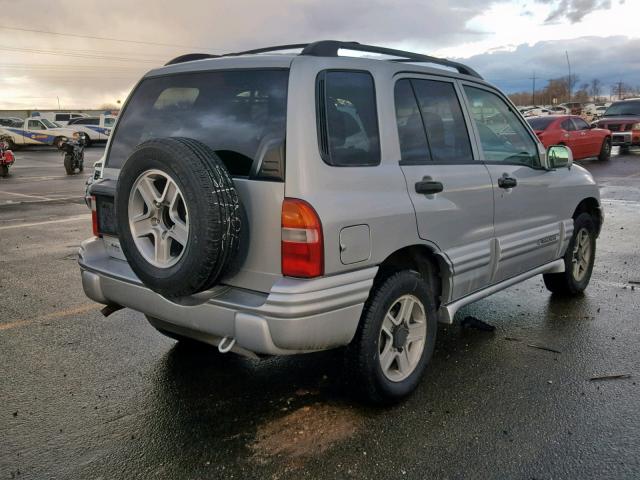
(88, 397)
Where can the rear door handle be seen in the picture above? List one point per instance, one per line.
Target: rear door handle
(507, 182)
(429, 187)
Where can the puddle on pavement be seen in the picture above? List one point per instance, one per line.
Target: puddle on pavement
(303, 433)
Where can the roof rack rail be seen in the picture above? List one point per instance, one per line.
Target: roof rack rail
(330, 48)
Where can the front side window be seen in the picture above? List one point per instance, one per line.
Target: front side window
(347, 118)
(108, 122)
(502, 135)
(443, 121)
(568, 125)
(240, 114)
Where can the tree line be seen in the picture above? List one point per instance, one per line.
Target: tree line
(565, 89)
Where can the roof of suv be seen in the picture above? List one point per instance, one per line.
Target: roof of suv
(282, 57)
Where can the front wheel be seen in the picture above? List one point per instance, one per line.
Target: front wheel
(578, 259)
(395, 338)
(605, 150)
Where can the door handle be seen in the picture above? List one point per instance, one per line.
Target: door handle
(429, 187)
(507, 182)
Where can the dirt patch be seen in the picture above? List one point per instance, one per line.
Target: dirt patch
(305, 432)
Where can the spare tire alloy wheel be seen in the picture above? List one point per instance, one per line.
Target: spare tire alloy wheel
(178, 216)
(158, 218)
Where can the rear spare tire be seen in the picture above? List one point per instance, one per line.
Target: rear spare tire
(178, 216)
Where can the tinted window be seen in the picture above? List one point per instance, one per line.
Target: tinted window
(347, 119)
(109, 121)
(568, 125)
(62, 117)
(413, 140)
(443, 121)
(502, 135)
(35, 125)
(241, 114)
(627, 107)
(580, 124)
(540, 123)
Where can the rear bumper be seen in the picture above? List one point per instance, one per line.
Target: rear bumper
(295, 316)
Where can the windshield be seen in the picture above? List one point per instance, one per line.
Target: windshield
(623, 108)
(540, 123)
(48, 124)
(241, 114)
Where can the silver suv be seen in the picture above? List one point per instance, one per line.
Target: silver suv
(273, 203)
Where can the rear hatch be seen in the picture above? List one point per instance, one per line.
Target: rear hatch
(239, 113)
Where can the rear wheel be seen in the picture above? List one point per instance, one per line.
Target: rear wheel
(68, 164)
(605, 150)
(578, 259)
(395, 338)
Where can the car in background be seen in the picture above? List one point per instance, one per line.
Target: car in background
(558, 110)
(96, 129)
(623, 119)
(599, 111)
(61, 118)
(10, 122)
(536, 112)
(584, 140)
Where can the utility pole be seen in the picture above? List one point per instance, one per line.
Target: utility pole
(620, 90)
(569, 65)
(533, 89)
(58, 102)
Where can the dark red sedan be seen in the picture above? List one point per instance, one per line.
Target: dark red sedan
(584, 140)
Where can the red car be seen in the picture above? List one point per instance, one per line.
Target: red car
(584, 140)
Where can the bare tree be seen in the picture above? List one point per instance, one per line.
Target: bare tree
(596, 86)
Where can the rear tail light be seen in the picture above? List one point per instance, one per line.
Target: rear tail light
(302, 242)
(94, 217)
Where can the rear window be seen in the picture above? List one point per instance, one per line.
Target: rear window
(241, 114)
(540, 123)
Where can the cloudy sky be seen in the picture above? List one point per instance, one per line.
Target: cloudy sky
(90, 53)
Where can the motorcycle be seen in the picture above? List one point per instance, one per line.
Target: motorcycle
(73, 150)
(6, 158)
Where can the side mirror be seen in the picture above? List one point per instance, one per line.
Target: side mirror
(559, 156)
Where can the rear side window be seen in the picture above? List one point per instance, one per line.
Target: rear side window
(540, 123)
(413, 139)
(347, 118)
(443, 120)
(241, 114)
(580, 124)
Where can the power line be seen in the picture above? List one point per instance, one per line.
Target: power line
(92, 37)
(77, 55)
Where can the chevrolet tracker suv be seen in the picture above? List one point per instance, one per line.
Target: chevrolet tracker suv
(273, 203)
(623, 119)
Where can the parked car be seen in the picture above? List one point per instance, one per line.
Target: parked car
(537, 111)
(33, 131)
(572, 131)
(623, 119)
(599, 112)
(96, 129)
(10, 122)
(61, 118)
(558, 110)
(276, 204)
(575, 108)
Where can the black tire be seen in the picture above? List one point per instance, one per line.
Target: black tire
(68, 164)
(4, 171)
(566, 283)
(363, 354)
(213, 205)
(605, 150)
